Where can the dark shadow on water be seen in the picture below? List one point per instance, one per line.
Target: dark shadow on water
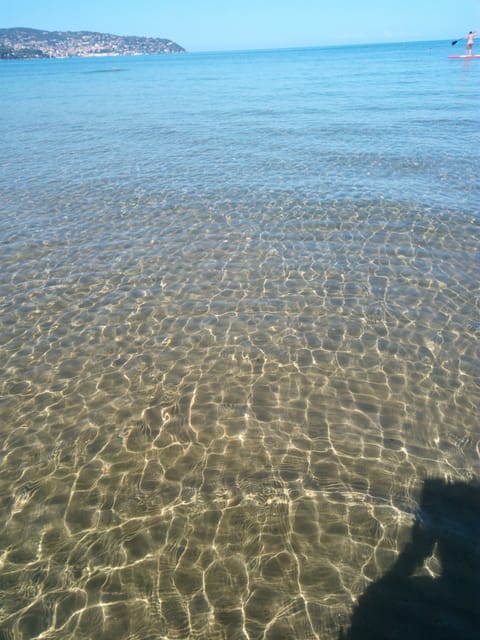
(402, 605)
(96, 71)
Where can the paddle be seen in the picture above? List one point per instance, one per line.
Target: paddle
(455, 41)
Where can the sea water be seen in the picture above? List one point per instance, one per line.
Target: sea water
(238, 337)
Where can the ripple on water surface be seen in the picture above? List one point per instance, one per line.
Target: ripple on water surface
(217, 418)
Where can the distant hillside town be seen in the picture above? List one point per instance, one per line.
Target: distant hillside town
(22, 43)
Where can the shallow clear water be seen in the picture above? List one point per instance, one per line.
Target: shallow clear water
(239, 331)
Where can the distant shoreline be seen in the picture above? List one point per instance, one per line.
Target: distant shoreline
(26, 44)
(78, 57)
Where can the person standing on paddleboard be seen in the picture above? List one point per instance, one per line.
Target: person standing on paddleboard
(470, 39)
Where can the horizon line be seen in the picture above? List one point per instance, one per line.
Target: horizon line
(317, 46)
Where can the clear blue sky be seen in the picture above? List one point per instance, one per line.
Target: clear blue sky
(208, 25)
